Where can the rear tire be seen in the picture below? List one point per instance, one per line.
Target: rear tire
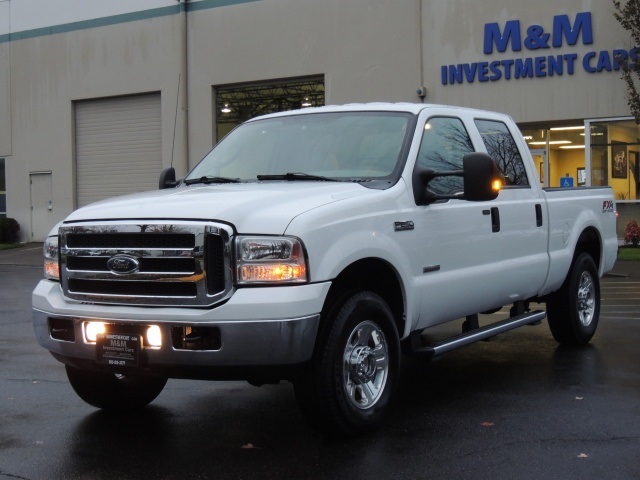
(574, 310)
(111, 391)
(348, 387)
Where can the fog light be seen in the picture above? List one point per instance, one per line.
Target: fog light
(154, 336)
(92, 330)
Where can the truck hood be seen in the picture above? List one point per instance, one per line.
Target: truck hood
(250, 207)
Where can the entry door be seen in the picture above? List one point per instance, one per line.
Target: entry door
(41, 205)
(541, 161)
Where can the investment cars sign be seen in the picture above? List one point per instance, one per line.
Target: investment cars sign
(545, 60)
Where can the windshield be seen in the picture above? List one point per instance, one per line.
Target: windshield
(343, 146)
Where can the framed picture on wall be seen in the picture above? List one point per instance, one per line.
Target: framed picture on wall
(619, 161)
(582, 176)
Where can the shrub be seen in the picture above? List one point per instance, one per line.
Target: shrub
(632, 233)
(9, 229)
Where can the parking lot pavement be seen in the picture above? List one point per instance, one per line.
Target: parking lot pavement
(519, 406)
(29, 254)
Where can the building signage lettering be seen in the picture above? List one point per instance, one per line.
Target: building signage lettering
(536, 39)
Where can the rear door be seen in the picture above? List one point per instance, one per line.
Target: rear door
(523, 223)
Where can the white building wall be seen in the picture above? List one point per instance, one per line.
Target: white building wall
(5, 83)
(50, 72)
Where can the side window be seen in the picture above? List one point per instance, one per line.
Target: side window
(502, 147)
(444, 142)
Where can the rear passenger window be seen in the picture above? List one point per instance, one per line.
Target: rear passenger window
(444, 142)
(503, 149)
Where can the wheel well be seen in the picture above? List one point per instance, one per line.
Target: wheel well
(374, 275)
(589, 242)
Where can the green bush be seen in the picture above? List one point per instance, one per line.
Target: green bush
(9, 229)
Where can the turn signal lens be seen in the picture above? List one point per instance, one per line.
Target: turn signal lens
(272, 273)
(496, 185)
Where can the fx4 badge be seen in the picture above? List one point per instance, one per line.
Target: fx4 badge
(607, 206)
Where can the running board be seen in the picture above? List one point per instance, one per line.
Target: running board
(436, 349)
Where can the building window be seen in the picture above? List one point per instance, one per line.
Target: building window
(3, 189)
(558, 152)
(238, 103)
(615, 151)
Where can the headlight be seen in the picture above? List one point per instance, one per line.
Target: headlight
(51, 260)
(275, 260)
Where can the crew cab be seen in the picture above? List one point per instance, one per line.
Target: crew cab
(317, 246)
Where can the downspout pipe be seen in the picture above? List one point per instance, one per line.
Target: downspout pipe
(184, 10)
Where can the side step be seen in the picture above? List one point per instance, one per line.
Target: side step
(438, 348)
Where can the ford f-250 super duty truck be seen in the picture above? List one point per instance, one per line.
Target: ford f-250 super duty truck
(315, 246)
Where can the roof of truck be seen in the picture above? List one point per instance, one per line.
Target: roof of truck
(414, 108)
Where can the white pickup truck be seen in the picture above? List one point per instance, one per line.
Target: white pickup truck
(315, 246)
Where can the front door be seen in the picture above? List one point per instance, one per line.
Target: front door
(41, 205)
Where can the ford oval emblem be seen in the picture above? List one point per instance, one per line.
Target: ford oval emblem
(123, 264)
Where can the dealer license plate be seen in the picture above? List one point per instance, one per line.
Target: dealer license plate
(118, 349)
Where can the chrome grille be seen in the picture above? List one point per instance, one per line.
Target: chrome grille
(177, 263)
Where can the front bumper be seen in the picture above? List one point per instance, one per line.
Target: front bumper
(258, 327)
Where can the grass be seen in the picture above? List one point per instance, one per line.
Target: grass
(7, 246)
(629, 253)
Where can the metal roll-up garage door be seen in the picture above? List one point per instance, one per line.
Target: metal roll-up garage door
(118, 146)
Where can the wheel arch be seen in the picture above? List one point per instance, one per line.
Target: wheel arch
(590, 242)
(372, 274)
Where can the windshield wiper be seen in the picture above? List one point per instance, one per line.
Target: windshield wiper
(296, 176)
(211, 179)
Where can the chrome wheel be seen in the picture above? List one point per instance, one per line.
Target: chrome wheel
(348, 386)
(573, 311)
(586, 299)
(365, 365)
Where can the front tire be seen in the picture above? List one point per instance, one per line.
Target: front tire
(111, 391)
(574, 310)
(349, 385)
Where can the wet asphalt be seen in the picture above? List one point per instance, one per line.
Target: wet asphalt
(516, 407)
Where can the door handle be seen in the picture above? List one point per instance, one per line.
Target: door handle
(495, 220)
(538, 215)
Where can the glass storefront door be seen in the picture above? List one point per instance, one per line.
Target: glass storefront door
(542, 164)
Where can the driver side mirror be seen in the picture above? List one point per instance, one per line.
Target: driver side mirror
(482, 180)
(168, 178)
